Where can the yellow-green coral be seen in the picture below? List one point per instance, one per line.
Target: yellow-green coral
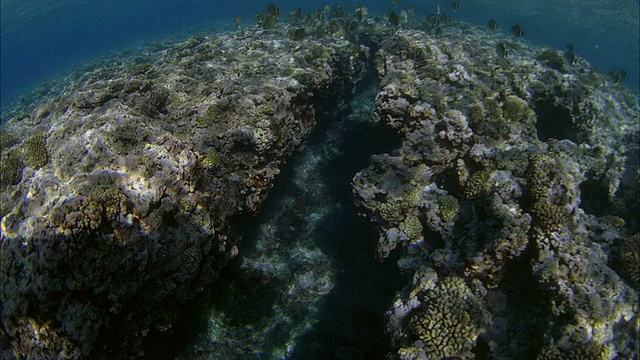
(211, 159)
(449, 321)
(477, 185)
(85, 214)
(412, 227)
(7, 140)
(630, 259)
(209, 117)
(191, 259)
(390, 211)
(448, 207)
(516, 109)
(548, 216)
(539, 166)
(36, 149)
(113, 202)
(10, 170)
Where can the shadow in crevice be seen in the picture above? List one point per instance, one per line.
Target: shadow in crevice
(308, 225)
(350, 319)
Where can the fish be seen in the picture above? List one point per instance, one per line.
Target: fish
(393, 18)
(444, 19)
(296, 14)
(492, 24)
(237, 21)
(618, 76)
(501, 50)
(437, 9)
(361, 12)
(438, 31)
(395, 3)
(516, 30)
(273, 10)
(570, 55)
(334, 27)
(432, 20)
(404, 17)
(298, 34)
(338, 11)
(455, 5)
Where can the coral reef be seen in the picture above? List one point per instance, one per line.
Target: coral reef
(510, 200)
(120, 218)
(449, 320)
(515, 168)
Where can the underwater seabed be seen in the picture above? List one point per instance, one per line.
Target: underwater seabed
(306, 284)
(504, 188)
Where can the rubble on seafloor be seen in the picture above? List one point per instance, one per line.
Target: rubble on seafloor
(513, 199)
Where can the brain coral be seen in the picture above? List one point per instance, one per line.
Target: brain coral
(450, 320)
(36, 150)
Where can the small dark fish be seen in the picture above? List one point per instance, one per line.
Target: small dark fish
(569, 54)
(353, 25)
(361, 12)
(338, 11)
(395, 3)
(455, 5)
(516, 30)
(501, 50)
(237, 21)
(432, 20)
(334, 26)
(393, 19)
(298, 34)
(444, 19)
(618, 76)
(438, 32)
(492, 24)
(404, 16)
(296, 14)
(273, 10)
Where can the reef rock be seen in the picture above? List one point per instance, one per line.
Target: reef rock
(513, 199)
(117, 194)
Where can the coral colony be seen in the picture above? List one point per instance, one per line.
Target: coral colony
(512, 200)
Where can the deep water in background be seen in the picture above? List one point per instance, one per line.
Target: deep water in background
(41, 38)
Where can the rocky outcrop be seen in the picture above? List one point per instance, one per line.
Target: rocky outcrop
(508, 200)
(117, 195)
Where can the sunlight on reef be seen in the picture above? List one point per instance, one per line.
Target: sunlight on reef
(511, 199)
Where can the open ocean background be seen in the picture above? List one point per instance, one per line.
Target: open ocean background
(45, 38)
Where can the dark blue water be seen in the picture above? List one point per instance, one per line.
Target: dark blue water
(42, 38)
